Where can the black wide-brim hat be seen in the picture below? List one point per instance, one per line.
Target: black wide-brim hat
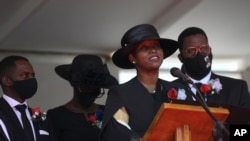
(135, 35)
(87, 70)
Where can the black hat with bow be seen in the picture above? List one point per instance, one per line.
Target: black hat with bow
(87, 70)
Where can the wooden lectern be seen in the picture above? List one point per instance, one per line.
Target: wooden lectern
(183, 133)
(180, 122)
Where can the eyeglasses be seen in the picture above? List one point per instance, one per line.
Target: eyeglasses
(192, 51)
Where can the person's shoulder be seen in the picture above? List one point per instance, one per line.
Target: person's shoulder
(227, 78)
(172, 83)
(57, 109)
(178, 80)
(131, 82)
(2, 101)
(123, 90)
(164, 81)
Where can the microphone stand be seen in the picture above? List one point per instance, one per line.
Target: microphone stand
(219, 126)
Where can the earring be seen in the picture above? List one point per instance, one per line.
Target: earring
(133, 62)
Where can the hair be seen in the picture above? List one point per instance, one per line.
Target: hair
(8, 63)
(187, 32)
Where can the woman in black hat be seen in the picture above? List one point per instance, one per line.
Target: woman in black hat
(130, 107)
(80, 119)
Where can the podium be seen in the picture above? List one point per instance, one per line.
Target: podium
(180, 122)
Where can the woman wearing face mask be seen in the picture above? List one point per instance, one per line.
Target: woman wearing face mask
(80, 119)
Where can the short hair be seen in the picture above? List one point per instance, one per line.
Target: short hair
(8, 63)
(187, 32)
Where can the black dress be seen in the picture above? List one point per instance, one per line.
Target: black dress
(140, 105)
(70, 126)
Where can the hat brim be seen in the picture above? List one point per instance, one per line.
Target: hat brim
(64, 72)
(120, 58)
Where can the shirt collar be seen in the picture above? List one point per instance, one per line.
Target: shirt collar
(12, 102)
(204, 80)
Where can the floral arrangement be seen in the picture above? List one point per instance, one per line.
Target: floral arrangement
(213, 87)
(175, 93)
(37, 115)
(95, 119)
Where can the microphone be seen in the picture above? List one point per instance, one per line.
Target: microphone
(218, 125)
(177, 73)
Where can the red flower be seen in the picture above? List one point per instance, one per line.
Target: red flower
(172, 93)
(37, 115)
(92, 119)
(35, 110)
(205, 88)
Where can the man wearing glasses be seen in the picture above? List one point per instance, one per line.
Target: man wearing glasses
(196, 56)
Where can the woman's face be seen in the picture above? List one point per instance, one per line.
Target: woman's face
(147, 55)
(86, 95)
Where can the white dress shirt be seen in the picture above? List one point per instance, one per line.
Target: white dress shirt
(203, 81)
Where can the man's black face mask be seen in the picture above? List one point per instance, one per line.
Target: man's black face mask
(198, 66)
(25, 88)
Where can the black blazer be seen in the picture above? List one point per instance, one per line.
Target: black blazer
(140, 105)
(14, 127)
(234, 92)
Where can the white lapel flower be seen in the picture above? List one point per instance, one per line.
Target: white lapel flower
(176, 93)
(216, 85)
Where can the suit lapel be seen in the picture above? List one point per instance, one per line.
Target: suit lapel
(11, 121)
(213, 76)
(36, 127)
(3, 137)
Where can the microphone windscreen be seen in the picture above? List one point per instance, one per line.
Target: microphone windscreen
(174, 71)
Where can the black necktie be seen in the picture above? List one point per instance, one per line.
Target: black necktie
(26, 124)
(198, 85)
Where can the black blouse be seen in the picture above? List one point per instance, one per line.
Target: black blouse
(70, 126)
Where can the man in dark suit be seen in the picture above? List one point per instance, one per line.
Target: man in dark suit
(18, 84)
(196, 56)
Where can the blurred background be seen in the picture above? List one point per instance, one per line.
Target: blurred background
(53, 32)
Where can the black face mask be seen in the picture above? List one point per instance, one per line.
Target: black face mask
(199, 66)
(25, 88)
(86, 99)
